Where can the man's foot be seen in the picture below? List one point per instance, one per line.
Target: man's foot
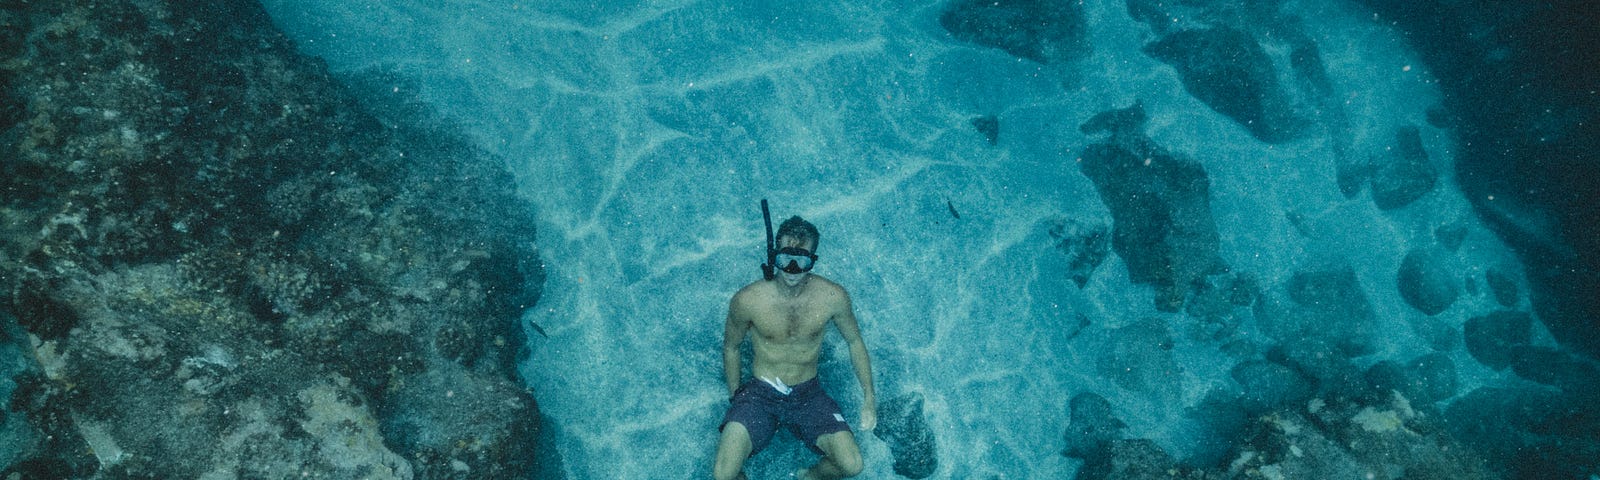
(804, 474)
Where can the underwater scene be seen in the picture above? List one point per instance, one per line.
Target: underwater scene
(1099, 239)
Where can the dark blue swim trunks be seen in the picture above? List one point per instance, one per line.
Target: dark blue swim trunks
(806, 411)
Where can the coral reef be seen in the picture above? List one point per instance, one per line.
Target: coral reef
(1376, 437)
(221, 265)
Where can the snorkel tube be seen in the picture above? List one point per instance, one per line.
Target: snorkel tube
(767, 268)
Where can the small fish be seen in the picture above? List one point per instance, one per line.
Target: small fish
(539, 329)
(952, 207)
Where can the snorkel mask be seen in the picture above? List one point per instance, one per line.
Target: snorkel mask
(791, 260)
(794, 260)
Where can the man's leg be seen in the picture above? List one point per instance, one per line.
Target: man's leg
(840, 458)
(732, 450)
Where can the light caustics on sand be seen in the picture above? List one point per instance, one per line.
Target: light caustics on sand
(645, 137)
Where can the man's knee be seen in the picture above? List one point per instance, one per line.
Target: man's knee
(723, 472)
(728, 467)
(732, 450)
(849, 462)
(843, 452)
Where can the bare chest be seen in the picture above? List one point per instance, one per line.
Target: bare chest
(791, 323)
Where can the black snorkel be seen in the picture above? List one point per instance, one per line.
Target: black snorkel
(772, 253)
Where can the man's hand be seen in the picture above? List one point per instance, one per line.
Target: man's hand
(869, 418)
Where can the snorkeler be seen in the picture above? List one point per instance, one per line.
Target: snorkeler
(788, 311)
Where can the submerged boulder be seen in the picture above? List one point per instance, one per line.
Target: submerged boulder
(1091, 427)
(1045, 31)
(1424, 380)
(1228, 71)
(1326, 307)
(1137, 459)
(1503, 287)
(905, 429)
(1533, 432)
(1494, 339)
(1575, 375)
(1160, 207)
(1269, 386)
(1425, 282)
(1404, 174)
(1345, 439)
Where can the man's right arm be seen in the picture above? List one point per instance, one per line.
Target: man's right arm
(738, 324)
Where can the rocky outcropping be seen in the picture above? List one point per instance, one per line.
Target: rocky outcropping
(1327, 311)
(1318, 438)
(1426, 282)
(1160, 206)
(1092, 426)
(1404, 174)
(1495, 339)
(1231, 73)
(220, 265)
(1045, 31)
(905, 430)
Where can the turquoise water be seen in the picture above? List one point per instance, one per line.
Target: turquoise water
(645, 133)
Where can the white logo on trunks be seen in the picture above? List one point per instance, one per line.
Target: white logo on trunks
(838, 417)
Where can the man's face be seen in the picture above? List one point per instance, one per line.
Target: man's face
(786, 261)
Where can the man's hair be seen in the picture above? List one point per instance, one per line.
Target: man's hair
(799, 229)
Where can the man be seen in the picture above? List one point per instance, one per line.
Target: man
(786, 317)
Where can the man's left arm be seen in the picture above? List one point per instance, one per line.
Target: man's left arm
(851, 331)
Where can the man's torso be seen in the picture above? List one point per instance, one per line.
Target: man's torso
(787, 333)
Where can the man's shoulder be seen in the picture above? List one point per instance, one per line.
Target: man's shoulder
(829, 287)
(752, 290)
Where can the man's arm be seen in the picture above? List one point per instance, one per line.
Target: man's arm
(732, 335)
(851, 331)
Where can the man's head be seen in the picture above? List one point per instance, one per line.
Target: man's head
(797, 232)
(797, 247)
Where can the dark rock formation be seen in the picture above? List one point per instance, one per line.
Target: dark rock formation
(1220, 303)
(1495, 339)
(1425, 380)
(1268, 386)
(1045, 31)
(1160, 207)
(1504, 288)
(1222, 420)
(1228, 71)
(1327, 307)
(1529, 432)
(1341, 439)
(1403, 174)
(1577, 376)
(1084, 245)
(1425, 281)
(1379, 437)
(1131, 460)
(1451, 235)
(226, 267)
(904, 428)
(989, 126)
(1122, 122)
(1091, 427)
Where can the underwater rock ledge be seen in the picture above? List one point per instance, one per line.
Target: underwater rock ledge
(216, 264)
